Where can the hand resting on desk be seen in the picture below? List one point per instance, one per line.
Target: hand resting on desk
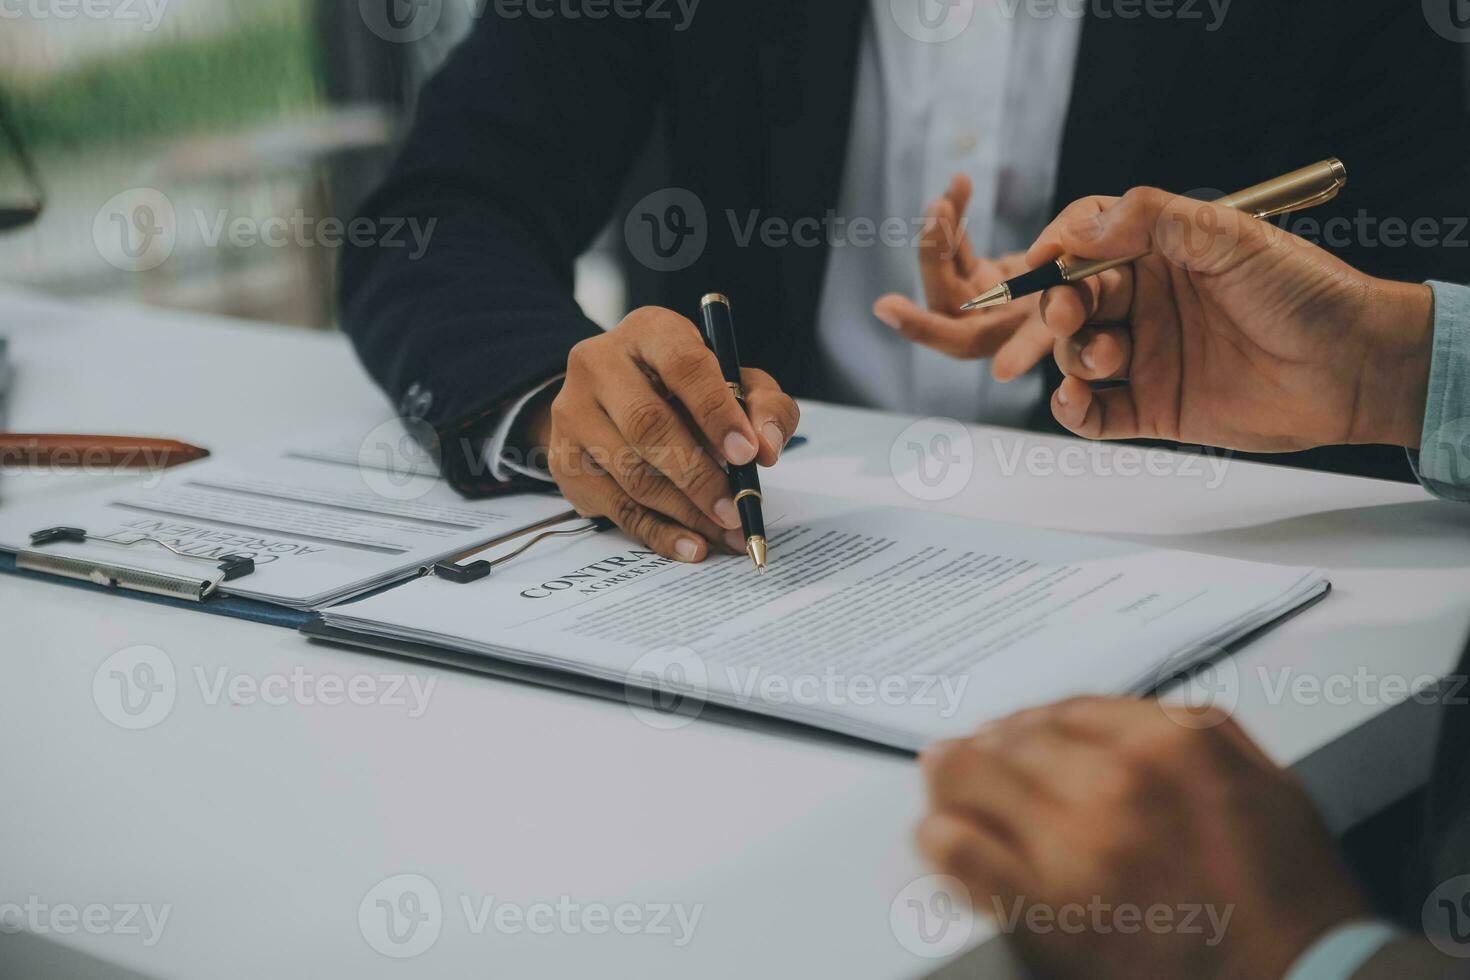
(1078, 826)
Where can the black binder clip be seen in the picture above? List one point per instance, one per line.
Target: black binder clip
(236, 566)
(459, 574)
(51, 535)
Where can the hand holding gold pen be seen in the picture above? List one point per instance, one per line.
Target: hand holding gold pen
(1295, 191)
(1251, 338)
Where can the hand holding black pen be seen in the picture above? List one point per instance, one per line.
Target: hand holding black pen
(639, 429)
(719, 335)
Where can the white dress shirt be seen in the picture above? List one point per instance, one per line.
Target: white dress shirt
(991, 101)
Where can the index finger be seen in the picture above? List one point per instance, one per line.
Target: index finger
(945, 256)
(691, 373)
(1080, 215)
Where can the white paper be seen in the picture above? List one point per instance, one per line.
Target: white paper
(895, 625)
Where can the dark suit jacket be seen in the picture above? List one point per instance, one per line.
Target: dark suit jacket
(523, 142)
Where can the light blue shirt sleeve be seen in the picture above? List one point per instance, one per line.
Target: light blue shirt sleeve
(1442, 462)
(1342, 951)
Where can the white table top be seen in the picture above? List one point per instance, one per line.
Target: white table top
(264, 827)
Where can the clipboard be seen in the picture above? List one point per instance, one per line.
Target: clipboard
(131, 577)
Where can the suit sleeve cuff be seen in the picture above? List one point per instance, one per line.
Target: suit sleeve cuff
(1342, 951)
(505, 466)
(1442, 462)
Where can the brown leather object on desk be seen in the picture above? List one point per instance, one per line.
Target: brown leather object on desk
(109, 452)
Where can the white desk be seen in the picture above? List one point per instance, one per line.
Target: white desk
(264, 827)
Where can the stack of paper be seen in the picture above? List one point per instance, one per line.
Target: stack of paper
(895, 626)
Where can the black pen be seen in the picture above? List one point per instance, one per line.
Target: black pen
(719, 336)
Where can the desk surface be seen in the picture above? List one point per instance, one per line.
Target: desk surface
(263, 828)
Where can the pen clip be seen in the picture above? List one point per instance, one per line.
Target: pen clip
(1321, 197)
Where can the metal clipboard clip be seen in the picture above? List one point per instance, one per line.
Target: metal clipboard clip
(452, 571)
(135, 578)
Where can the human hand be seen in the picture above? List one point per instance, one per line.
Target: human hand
(642, 426)
(1013, 336)
(1229, 333)
(1115, 804)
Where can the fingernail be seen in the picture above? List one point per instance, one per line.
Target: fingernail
(726, 513)
(735, 541)
(687, 549)
(1086, 356)
(738, 449)
(1061, 396)
(889, 319)
(774, 436)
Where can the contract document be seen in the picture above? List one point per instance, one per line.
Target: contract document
(322, 521)
(892, 625)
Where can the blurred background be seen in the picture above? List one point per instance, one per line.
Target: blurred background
(229, 109)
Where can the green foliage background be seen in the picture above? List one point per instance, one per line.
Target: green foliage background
(264, 67)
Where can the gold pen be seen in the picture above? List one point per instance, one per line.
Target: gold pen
(1295, 191)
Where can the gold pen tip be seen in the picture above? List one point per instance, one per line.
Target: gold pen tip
(994, 296)
(756, 547)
